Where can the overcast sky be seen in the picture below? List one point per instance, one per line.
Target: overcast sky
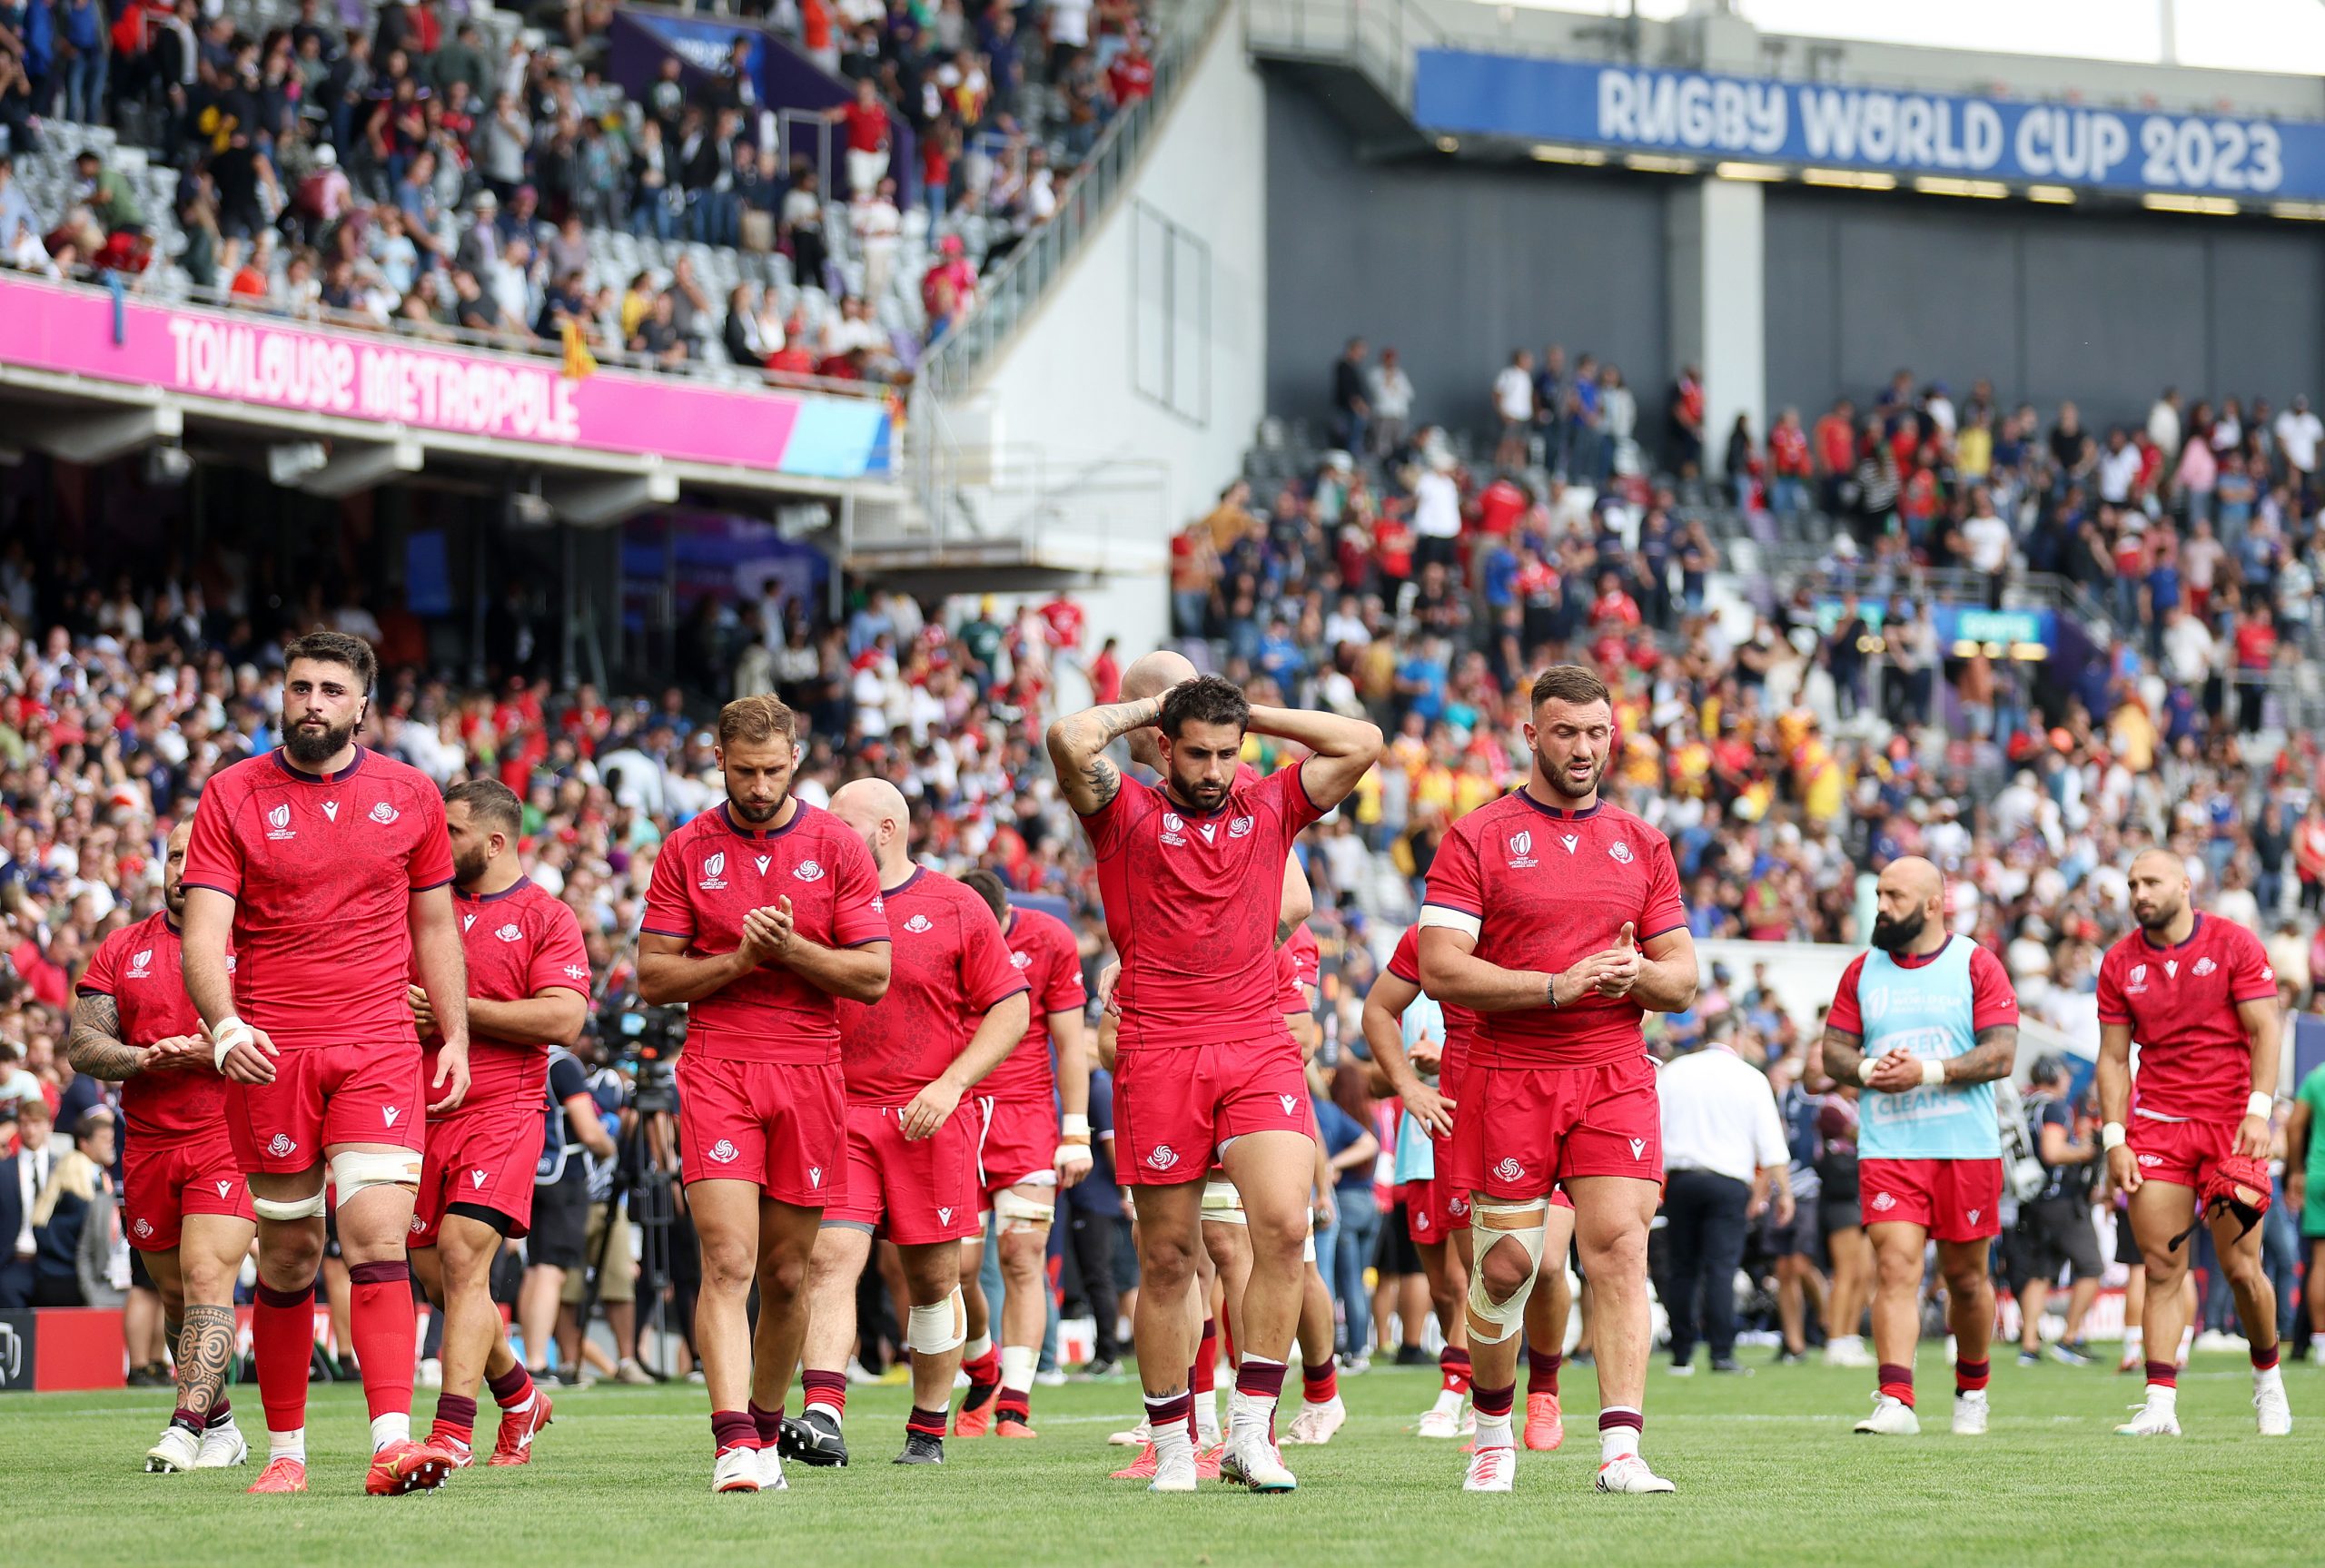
(2286, 36)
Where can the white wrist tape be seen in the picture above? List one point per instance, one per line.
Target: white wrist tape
(1074, 1157)
(2261, 1105)
(2110, 1136)
(227, 1033)
(1933, 1073)
(1075, 1125)
(1865, 1071)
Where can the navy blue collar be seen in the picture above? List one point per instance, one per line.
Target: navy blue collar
(2174, 946)
(726, 815)
(518, 886)
(1527, 794)
(283, 760)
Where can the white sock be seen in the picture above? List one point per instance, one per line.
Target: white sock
(1017, 1363)
(2163, 1397)
(1448, 1402)
(2187, 1340)
(1618, 1442)
(977, 1349)
(1493, 1432)
(395, 1426)
(1207, 1416)
(826, 1407)
(286, 1445)
(2268, 1377)
(2134, 1341)
(1169, 1440)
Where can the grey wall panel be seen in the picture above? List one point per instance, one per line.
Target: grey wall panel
(2266, 314)
(1803, 329)
(1911, 292)
(1453, 263)
(2112, 314)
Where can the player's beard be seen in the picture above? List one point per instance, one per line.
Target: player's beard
(174, 900)
(2158, 921)
(758, 816)
(1897, 935)
(1199, 792)
(312, 748)
(469, 866)
(1556, 777)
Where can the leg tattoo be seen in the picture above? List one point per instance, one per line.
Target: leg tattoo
(206, 1355)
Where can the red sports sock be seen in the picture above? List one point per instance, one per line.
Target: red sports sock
(1542, 1371)
(734, 1429)
(456, 1416)
(1970, 1375)
(1490, 1402)
(1017, 1404)
(769, 1421)
(984, 1375)
(511, 1388)
(1206, 1368)
(1322, 1382)
(828, 1389)
(2164, 1373)
(282, 1337)
(386, 1325)
(1897, 1382)
(1453, 1363)
(925, 1423)
(2263, 1359)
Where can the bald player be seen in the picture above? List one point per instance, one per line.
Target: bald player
(1926, 1022)
(2187, 1139)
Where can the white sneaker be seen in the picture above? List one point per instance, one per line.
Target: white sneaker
(1970, 1413)
(1253, 1461)
(1174, 1468)
(2151, 1421)
(429, 1374)
(178, 1450)
(1491, 1470)
(771, 1471)
(1468, 1421)
(2213, 1340)
(2316, 1351)
(1682, 1369)
(223, 1449)
(2274, 1410)
(1314, 1426)
(1445, 1424)
(1847, 1352)
(738, 1470)
(1628, 1472)
(1136, 1437)
(1890, 1417)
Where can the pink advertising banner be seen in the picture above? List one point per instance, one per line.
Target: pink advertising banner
(275, 363)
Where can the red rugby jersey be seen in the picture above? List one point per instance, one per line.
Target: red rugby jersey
(520, 942)
(1043, 953)
(137, 966)
(710, 875)
(2195, 1061)
(321, 868)
(1550, 887)
(1461, 1023)
(1193, 900)
(1300, 967)
(948, 967)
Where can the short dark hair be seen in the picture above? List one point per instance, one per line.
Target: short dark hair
(1569, 683)
(1206, 700)
(755, 721)
(327, 646)
(490, 802)
(986, 885)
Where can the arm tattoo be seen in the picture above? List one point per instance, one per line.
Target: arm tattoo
(206, 1356)
(1844, 1054)
(1104, 779)
(93, 1045)
(1993, 1057)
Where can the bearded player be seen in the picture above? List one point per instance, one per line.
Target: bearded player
(1557, 919)
(1026, 1156)
(1436, 1206)
(763, 915)
(326, 865)
(1926, 1022)
(186, 1206)
(528, 981)
(1192, 873)
(955, 1007)
(2187, 1136)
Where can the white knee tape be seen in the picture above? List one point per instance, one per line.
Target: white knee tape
(283, 1212)
(934, 1330)
(1222, 1204)
(1491, 1321)
(356, 1170)
(1023, 1215)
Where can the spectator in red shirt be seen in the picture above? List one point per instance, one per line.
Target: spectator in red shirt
(1789, 464)
(867, 120)
(2256, 653)
(1106, 674)
(1613, 607)
(1836, 445)
(1131, 78)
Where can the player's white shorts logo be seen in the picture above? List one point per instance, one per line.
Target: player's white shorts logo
(2204, 966)
(809, 870)
(1974, 1215)
(278, 823)
(1163, 1157)
(815, 1176)
(1883, 1203)
(138, 963)
(1621, 852)
(919, 923)
(388, 1113)
(2150, 1160)
(1509, 1170)
(724, 1153)
(1240, 828)
(143, 1228)
(1021, 960)
(513, 932)
(281, 1145)
(1420, 1222)
(225, 1189)
(1638, 1148)
(1290, 1102)
(384, 814)
(943, 1216)
(476, 1178)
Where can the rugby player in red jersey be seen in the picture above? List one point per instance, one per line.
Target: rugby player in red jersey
(1025, 1156)
(327, 866)
(1557, 919)
(1191, 871)
(763, 913)
(955, 1007)
(1436, 1206)
(186, 1206)
(2187, 1135)
(528, 984)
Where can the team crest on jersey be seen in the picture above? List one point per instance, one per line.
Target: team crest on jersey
(1420, 1222)
(577, 971)
(1509, 1170)
(1175, 828)
(1290, 1102)
(383, 814)
(1883, 1203)
(2203, 966)
(1021, 960)
(281, 1145)
(2150, 1162)
(143, 1228)
(724, 1152)
(1521, 849)
(140, 964)
(278, 822)
(418, 1225)
(1621, 852)
(714, 872)
(1163, 1157)
(919, 923)
(1241, 827)
(809, 870)
(513, 932)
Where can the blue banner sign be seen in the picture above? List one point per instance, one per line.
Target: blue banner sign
(1692, 113)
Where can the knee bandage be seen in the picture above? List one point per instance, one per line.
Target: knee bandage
(1222, 1204)
(285, 1211)
(357, 1170)
(935, 1330)
(1491, 1321)
(1023, 1215)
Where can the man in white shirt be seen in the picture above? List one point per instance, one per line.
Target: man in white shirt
(2298, 433)
(1987, 535)
(2163, 425)
(1513, 399)
(1723, 1153)
(1437, 512)
(2187, 649)
(2119, 469)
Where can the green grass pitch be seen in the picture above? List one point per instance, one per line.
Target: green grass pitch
(1768, 1469)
